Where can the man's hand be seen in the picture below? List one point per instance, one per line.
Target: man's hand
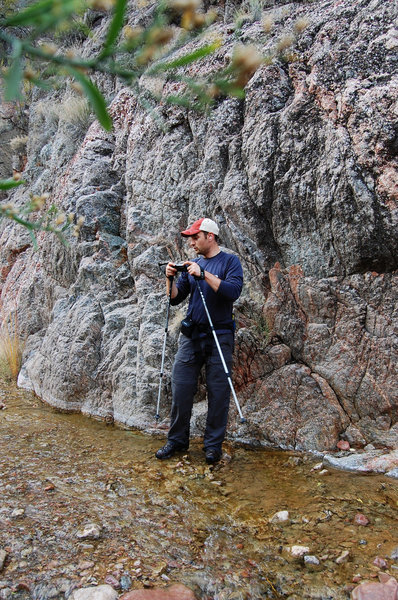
(170, 270)
(193, 268)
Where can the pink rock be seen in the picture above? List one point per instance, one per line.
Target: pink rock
(360, 519)
(376, 591)
(380, 562)
(343, 445)
(174, 592)
(111, 580)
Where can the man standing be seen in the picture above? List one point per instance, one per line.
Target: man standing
(220, 278)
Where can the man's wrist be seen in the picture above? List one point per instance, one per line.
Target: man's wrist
(202, 274)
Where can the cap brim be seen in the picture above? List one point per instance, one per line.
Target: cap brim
(189, 232)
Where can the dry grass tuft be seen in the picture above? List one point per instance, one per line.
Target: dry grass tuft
(19, 143)
(11, 348)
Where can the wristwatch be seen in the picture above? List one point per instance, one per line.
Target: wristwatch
(202, 273)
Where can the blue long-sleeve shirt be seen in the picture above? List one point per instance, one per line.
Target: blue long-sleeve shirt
(228, 268)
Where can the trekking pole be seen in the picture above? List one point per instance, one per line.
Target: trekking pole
(157, 416)
(242, 419)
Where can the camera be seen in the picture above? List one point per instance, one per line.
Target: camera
(181, 268)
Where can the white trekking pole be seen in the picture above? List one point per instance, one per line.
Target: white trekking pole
(242, 419)
(157, 416)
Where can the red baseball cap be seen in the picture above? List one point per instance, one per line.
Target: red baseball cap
(207, 225)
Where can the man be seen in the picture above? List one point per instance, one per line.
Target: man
(220, 278)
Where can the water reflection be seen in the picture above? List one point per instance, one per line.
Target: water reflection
(179, 520)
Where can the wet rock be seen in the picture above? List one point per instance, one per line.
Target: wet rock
(101, 592)
(394, 554)
(90, 531)
(311, 561)
(280, 517)
(174, 592)
(371, 460)
(387, 589)
(111, 580)
(380, 562)
(298, 551)
(85, 564)
(361, 519)
(392, 473)
(159, 569)
(317, 467)
(344, 556)
(45, 592)
(125, 582)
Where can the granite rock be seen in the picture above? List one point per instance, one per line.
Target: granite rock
(302, 178)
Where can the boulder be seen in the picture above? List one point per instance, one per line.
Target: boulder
(174, 592)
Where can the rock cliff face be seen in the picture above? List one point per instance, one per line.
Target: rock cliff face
(302, 177)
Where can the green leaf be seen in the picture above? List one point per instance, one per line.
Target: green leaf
(95, 98)
(34, 240)
(30, 14)
(231, 89)
(185, 101)
(8, 184)
(114, 28)
(186, 59)
(45, 13)
(13, 74)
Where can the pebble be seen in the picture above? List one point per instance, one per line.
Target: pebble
(394, 554)
(317, 467)
(18, 512)
(85, 564)
(101, 592)
(311, 560)
(343, 445)
(343, 557)
(111, 580)
(280, 517)
(90, 531)
(125, 582)
(360, 519)
(380, 562)
(298, 551)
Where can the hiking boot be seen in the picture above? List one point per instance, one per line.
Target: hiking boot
(169, 449)
(212, 456)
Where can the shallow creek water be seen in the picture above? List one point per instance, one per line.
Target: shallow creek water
(179, 520)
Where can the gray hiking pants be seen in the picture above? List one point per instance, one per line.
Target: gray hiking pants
(190, 357)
